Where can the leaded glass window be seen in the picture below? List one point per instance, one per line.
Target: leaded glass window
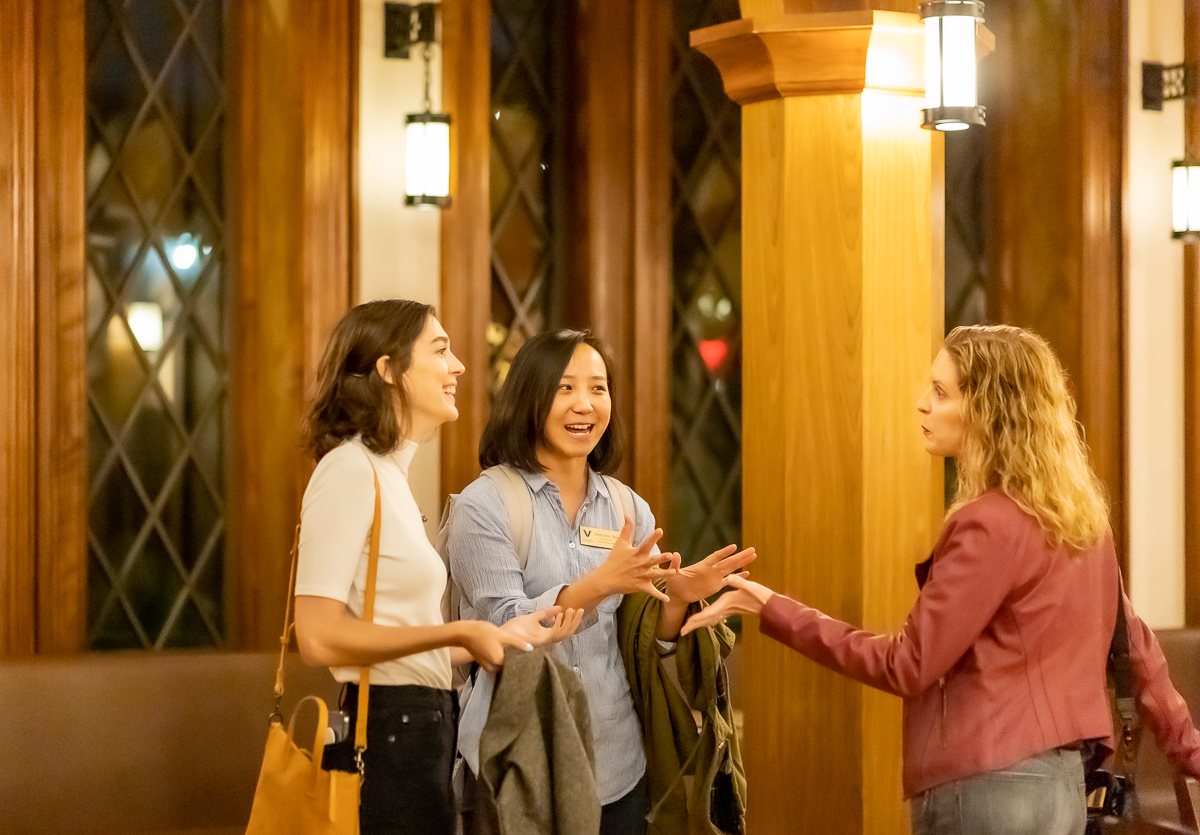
(157, 329)
(526, 148)
(706, 364)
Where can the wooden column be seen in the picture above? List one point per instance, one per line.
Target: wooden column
(842, 294)
(618, 232)
(1057, 241)
(43, 557)
(18, 522)
(1191, 338)
(289, 215)
(466, 229)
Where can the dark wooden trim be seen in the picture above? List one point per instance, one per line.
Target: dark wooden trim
(61, 350)
(1102, 114)
(18, 332)
(1191, 341)
(649, 393)
(466, 229)
(1058, 235)
(291, 264)
(355, 233)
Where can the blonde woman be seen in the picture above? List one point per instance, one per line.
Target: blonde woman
(1001, 663)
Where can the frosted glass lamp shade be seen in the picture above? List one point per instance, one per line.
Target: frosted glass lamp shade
(427, 160)
(1185, 200)
(951, 100)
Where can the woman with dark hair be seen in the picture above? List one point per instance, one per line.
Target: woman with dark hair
(1001, 663)
(553, 422)
(386, 383)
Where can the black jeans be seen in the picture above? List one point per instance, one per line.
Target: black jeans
(626, 815)
(411, 732)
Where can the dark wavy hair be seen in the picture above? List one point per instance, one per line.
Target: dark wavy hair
(352, 398)
(518, 420)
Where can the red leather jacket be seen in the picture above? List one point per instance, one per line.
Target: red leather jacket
(1003, 656)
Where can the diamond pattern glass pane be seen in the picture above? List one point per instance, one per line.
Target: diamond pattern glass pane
(157, 340)
(706, 467)
(526, 111)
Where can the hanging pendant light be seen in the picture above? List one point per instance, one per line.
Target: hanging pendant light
(427, 153)
(1185, 200)
(951, 97)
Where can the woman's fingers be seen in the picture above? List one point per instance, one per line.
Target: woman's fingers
(650, 541)
(732, 563)
(717, 556)
(625, 537)
(708, 616)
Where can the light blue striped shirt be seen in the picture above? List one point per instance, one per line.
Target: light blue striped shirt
(483, 562)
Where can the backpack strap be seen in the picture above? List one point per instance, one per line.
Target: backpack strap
(519, 504)
(622, 497)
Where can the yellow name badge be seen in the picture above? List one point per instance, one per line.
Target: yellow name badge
(597, 537)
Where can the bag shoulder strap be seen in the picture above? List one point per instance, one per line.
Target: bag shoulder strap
(622, 496)
(289, 623)
(519, 504)
(1120, 667)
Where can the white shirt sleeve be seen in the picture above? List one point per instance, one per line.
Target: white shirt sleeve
(335, 523)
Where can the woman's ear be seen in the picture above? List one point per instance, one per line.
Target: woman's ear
(385, 369)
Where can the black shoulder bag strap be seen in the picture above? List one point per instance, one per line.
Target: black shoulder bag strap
(1120, 667)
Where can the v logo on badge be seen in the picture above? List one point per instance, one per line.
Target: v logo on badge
(587, 532)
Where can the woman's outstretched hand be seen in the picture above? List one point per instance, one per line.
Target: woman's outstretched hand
(627, 569)
(706, 577)
(485, 642)
(744, 598)
(549, 626)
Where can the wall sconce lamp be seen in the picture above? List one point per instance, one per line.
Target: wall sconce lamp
(1185, 200)
(427, 134)
(951, 100)
(1165, 82)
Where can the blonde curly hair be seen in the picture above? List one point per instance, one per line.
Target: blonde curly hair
(1020, 433)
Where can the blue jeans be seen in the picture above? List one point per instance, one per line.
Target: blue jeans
(1043, 795)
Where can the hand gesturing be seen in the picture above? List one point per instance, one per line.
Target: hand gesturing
(532, 628)
(706, 577)
(628, 569)
(746, 598)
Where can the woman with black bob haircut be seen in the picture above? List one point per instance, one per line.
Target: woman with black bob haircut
(517, 425)
(554, 424)
(387, 381)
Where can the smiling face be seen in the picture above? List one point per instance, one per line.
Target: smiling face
(431, 381)
(941, 408)
(580, 411)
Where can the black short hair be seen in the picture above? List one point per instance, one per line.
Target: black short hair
(517, 424)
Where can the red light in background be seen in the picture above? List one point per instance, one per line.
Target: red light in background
(713, 352)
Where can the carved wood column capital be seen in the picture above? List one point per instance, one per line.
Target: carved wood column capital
(776, 56)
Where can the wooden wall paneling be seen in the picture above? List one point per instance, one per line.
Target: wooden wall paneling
(466, 230)
(648, 392)
(601, 228)
(617, 228)
(1191, 338)
(18, 333)
(61, 378)
(1101, 103)
(323, 50)
(289, 222)
(1057, 237)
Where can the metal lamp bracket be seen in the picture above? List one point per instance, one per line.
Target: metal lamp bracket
(406, 25)
(1166, 82)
